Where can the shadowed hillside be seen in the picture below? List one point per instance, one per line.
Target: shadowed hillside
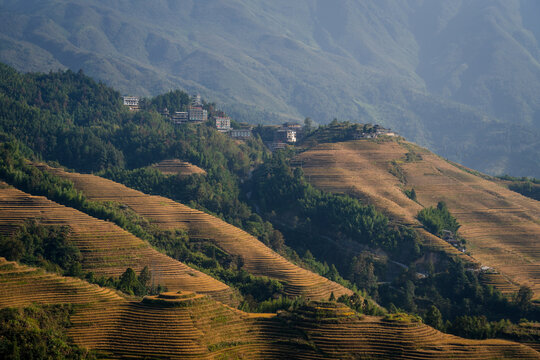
(167, 214)
(500, 226)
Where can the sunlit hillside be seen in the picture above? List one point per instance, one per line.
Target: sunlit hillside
(186, 325)
(501, 227)
(178, 167)
(106, 248)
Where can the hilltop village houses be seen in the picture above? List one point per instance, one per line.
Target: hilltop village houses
(373, 132)
(195, 113)
(286, 134)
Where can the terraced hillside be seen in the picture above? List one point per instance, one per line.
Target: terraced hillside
(338, 333)
(257, 258)
(186, 325)
(171, 325)
(178, 167)
(106, 248)
(23, 285)
(501, 226)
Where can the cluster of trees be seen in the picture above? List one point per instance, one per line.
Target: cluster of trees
(129, 282)
(437, 219)
(69, 118)
(362, 306)
(455, 300)
(479, 327)
(278, 188)
(45, 246)
(38, 332)
(315, 220)
(529, 187)
(23, 246)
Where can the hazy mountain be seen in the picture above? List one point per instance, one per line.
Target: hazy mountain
(460, 77)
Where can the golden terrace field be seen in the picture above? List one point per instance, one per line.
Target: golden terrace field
(258, 259)
(190, 326)
(177, 167)
(502, 227)
(106, 248)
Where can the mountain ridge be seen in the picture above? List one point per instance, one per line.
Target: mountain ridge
(400, 64)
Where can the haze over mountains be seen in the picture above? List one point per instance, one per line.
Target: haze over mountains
(460, 77)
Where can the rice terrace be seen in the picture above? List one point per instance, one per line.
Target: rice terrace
(500, 225)
(308, 180)
(183, 325)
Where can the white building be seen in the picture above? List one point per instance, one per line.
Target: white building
(286, 135)
(132, 102)
(240, 133)
(197, 114)
(223, 123)
(180, 117)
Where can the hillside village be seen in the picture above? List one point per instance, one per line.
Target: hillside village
(278, 137)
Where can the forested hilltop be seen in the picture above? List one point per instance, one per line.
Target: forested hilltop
(67, 119)
(460, 78)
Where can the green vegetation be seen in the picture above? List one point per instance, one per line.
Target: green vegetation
(438, 219)
(365, 306)
(454, 297)
(128, 283)
(38, 332)
(419, 88)
(18, 171)
(403, 317)
(280, 189)
(529, 187)
(45, 246)
(411, 194)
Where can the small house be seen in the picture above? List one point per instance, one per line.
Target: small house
(223, 123)
(286, 135)
(132, 102)
(241, 134)
(180, 117)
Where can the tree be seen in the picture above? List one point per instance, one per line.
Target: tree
(524, 297)
(408, 300)
(145, 276)
(276, 240)
(362, 273)
(434, 318)
(308, 125)
(128, 282)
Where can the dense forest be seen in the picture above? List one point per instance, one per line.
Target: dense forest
(66, 118)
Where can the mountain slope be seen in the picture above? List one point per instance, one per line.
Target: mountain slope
(500, 226)
(185, 325)
(106, 248)
(460, 78)
(167, 214)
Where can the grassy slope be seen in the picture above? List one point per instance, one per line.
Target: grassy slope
(106, 248)
(167, 214)
(194, 326)
(501, 226)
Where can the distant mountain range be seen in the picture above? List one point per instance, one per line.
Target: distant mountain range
(460, 77)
